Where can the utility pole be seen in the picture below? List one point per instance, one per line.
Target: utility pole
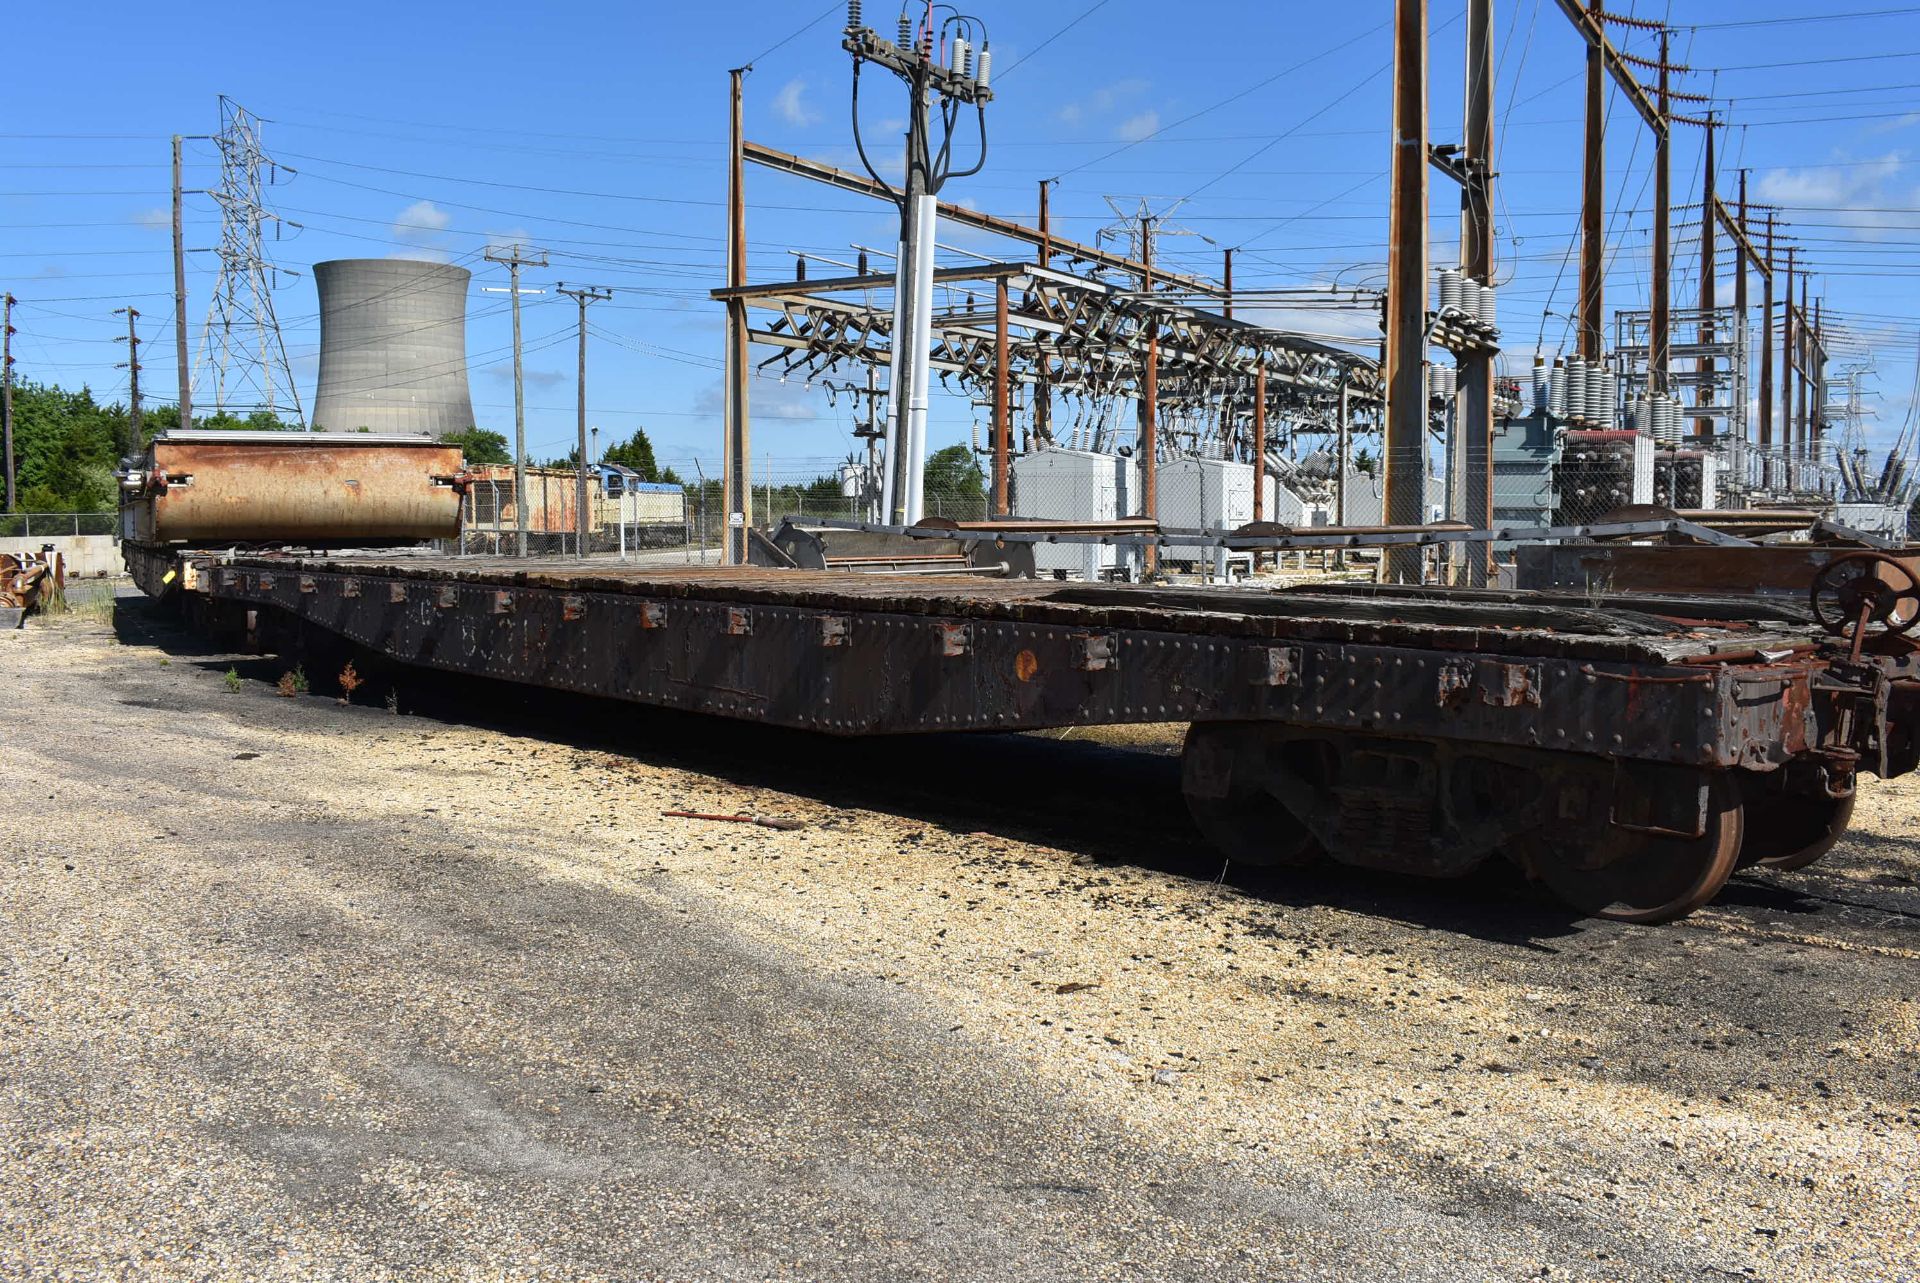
(1404, 438)
(1149, 403)
(583, 525)
(6, 390)
(180, 357)
(1805, 367)
(736, 467)
(515, 257)
(1786, 368)
(1659, 341)
(912, 58)
(1593, 196)
(1709, 296)
(132, 366)
(1740, 289)
(1476, 259)
(1819, 344)
(1766, 346)
(1042, 394)
(1002, 425)
(1591, 22)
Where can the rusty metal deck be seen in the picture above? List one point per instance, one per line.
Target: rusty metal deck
(855, 654)
(1559, 625)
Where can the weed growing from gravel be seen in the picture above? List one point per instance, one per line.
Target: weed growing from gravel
(350, 681)
(232, 679)
(393, 702)
(293, 683)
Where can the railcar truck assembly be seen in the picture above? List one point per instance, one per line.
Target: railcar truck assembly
(1630, 754)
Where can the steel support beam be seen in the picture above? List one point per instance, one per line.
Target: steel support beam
(1404, 445)
(786, 162)
(1475, 409)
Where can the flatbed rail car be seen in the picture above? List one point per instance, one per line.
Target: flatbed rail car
(1630, 758)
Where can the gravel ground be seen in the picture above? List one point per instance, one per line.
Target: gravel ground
(298, 990)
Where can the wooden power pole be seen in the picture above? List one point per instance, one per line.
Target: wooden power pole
(1593, 196)
(583, 521)
(1658, 341)
(1786, 368)
(180, 298)
(1766, 348)
(132, 366)
(1709, 279)
(515, 257)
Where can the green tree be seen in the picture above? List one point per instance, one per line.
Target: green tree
(479, 446)
(66, 444)
(65, 448)
(954, 473)
(635, 452)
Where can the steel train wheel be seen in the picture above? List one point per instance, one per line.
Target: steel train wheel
(1222, 769)
(1641, 877)
(1787, 831)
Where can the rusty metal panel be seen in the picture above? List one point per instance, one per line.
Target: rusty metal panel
(1566, 626)
(1605, 570)
(293, 487)
(868, 672)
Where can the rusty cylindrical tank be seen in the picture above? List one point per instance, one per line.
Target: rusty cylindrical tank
(212, 488)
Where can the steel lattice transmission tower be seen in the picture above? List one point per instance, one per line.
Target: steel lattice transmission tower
(242, 347)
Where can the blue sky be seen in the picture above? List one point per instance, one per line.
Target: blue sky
(597, 131)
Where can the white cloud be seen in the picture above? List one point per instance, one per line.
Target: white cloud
(1103, 100)
(1139, 126)
(1850, 191)
(791, 106)
(153, 218)
(421, 223)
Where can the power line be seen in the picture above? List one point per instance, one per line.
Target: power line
(1086, 13)
(1811, 17)
(789, 38)
(1815, 62)
(1155, 136)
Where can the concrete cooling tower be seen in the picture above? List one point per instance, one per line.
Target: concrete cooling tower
(393, 346)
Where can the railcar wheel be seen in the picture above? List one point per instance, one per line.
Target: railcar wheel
(1788, 831)
(1632, 876)
(1222, 770)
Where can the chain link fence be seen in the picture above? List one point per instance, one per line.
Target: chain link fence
(48, 525)
(686, 518)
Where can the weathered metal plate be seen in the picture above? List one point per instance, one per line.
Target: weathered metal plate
(1608, 570)
(1515, 625)
(856, 670)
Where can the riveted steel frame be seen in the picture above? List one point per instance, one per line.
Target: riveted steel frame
(853, 671)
